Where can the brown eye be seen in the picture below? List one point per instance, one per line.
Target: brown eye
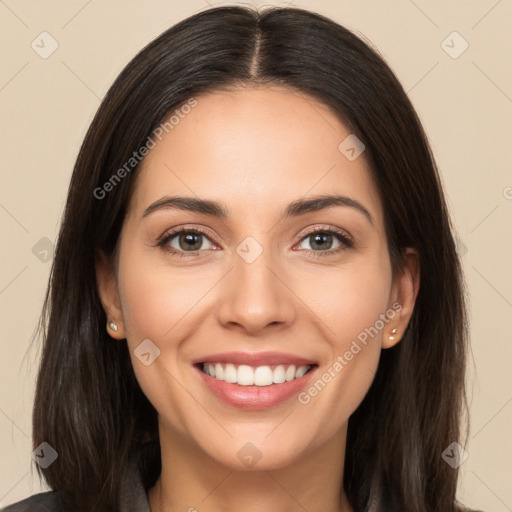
(321, 242)
(182, 241)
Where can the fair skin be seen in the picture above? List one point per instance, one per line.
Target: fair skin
(255, 150)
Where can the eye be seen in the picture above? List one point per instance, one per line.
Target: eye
(321, 241)
(187, 241)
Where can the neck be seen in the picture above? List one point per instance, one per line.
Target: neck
(191, 480)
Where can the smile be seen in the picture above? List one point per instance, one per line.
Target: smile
(254, 381)
(245, 375)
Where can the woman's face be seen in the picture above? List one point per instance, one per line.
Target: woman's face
(256, 291)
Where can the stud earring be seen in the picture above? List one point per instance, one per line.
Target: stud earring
(391, 338)
(112, 325)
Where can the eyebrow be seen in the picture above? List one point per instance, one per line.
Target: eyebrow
(220, 211)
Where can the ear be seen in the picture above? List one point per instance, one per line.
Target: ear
(109, 296)
(403, 296)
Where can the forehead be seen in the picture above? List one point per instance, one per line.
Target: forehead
(256, 150)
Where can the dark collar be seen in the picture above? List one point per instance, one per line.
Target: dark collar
(134, 496)
(140, 475)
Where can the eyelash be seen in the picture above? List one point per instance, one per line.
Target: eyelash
(344, 239)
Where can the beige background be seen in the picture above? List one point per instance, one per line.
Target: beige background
(465, 104)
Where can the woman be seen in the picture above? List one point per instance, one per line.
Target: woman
(203, 350)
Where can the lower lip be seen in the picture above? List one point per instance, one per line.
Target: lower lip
(255, 397)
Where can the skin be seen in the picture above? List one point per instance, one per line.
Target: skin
(255, 150)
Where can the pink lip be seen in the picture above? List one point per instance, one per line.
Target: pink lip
(254, 359)
(255, 397)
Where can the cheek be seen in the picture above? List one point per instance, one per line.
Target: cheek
(159, 303)
(351, 304)
(156, 298)
(147, 302)
(155, 302)
(351, 298)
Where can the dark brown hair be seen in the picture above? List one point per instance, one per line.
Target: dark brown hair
(88, 403)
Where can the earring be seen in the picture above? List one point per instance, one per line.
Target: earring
(391, 338)
(112, 325)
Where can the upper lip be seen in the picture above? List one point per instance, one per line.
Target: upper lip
(254, 358)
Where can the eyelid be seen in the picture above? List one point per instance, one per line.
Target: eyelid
(173, 232)
(346, 239)
(326, 228)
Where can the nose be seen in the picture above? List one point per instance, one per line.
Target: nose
(255, 295)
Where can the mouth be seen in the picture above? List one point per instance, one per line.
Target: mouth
(260, 376)
(254, 381)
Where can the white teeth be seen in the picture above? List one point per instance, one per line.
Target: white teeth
(263, 376)
(219, 372)
(301, 370)
(246, 375)
(279, 374)
(290, 373)
(230, 373)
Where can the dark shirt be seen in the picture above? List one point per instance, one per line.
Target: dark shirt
(133, 497)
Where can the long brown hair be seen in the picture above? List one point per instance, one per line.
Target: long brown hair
(88, 403)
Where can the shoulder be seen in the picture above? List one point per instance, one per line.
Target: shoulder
(460, 509)
(42, 502)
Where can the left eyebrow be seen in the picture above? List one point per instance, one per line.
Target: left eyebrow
(220, 211)
(317, 203)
